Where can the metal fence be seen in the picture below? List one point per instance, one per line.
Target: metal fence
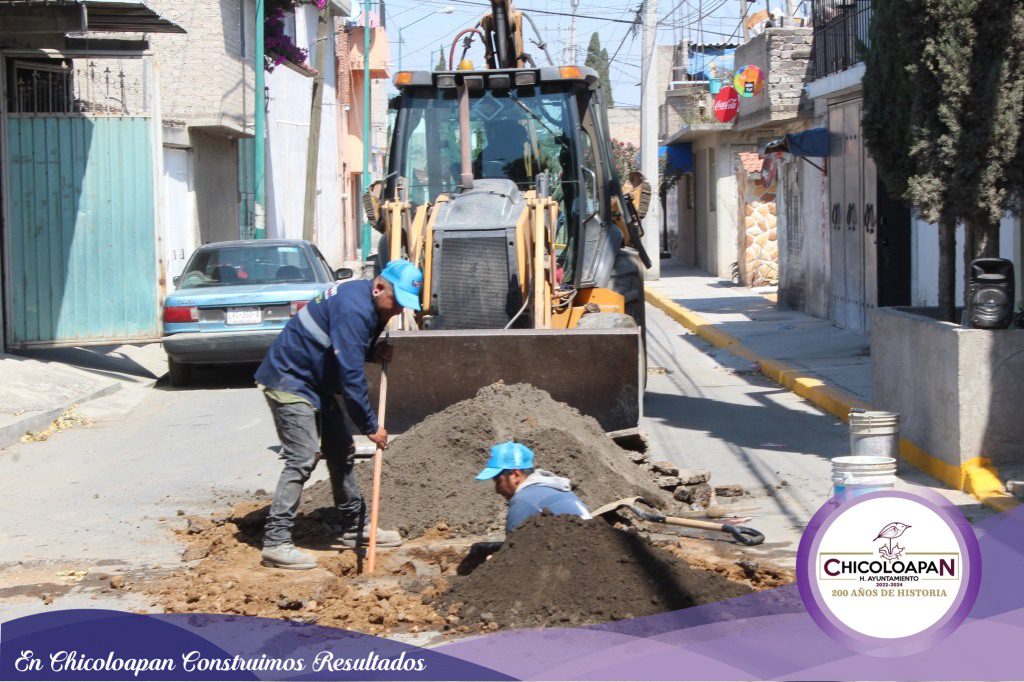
(840, 34)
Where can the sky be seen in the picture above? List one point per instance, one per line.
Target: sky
(716, 20)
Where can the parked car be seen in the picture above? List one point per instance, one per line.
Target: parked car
(233, 298)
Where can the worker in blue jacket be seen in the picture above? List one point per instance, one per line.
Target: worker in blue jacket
(318, 358)
(529, 490)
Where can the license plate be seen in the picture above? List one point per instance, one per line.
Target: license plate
(244, 316)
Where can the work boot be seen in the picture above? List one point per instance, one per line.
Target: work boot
(287, 556)
(385, 538)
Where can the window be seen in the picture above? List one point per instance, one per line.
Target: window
(41, 88)
(241, 265)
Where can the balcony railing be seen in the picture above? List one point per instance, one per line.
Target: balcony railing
(840, 34)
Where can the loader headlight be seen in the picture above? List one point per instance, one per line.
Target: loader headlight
(446, 81)
(473, 82)
(524, 78)
(500, 81)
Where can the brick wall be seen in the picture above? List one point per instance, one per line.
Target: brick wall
(783, 55)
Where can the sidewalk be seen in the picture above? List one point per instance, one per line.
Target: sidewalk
(40, 385)
(749, 327)
(828, 366)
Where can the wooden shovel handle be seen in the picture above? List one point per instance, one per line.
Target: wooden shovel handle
(742, 534)
(378, 464)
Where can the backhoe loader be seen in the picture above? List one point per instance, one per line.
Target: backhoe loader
(502, 188)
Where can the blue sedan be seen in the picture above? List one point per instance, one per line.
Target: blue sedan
(233, 298)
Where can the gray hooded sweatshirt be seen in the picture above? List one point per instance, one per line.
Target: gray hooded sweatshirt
(543, 491)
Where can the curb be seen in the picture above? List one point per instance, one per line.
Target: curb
(976, 477)
(37, 421)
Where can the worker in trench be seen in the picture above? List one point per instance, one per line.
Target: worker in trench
(529, 490)
(315, 363)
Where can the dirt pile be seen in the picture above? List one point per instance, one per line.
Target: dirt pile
(564, 571)
(429, 472)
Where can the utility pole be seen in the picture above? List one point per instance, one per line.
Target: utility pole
(649, 134)
(259, 133)
(743, 20)
(574, 57)
(366, 124)
(323, 21)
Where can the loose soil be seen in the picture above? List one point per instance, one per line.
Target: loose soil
(553, 571)
(566, 571)
(428, 475)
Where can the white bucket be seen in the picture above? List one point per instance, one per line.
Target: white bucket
(861, 474)
(875, 434)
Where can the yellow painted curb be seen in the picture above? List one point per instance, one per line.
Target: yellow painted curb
(976, 477)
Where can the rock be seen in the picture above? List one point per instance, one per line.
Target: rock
(287, 604)
(749, 567)
(180, 512)
(637, 457)
(699, 494)
(666, 468)
(667, 482)
(117, 582)
(1015, 488)
(198, 525)
(195, 552)
(694, 476)
(729, 490)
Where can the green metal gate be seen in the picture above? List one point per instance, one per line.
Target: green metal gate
(79, 241)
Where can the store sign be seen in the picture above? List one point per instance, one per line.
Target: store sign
(749, 81)
(727, 104)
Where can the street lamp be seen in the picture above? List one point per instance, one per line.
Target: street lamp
(447, 9)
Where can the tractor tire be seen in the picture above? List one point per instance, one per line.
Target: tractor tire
(619, 321)
(627, 279)
(179, 373)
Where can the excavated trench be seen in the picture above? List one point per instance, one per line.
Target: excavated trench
(552, 571)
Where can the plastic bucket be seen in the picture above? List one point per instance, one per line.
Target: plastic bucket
(875, 434)
(861, 474)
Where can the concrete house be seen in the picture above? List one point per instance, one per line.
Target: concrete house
(205, 78)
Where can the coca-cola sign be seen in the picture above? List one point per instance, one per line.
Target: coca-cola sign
(727, 104)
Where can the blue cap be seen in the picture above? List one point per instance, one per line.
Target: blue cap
(407, 281)
(508, 455)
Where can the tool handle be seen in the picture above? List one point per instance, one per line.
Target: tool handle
(378, 465)
(742, 534)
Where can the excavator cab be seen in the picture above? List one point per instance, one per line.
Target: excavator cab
(502, 188)
(541, 131)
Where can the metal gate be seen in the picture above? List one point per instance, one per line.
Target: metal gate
(79, 235)
(852, 219)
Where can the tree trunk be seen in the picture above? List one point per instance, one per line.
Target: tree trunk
(947, 268)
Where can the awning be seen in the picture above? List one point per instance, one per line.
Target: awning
(678, 158)
(813, 142)
(73, 16)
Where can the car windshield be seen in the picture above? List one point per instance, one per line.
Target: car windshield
(247, 264)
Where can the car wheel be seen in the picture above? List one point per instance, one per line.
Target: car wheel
(179, 373)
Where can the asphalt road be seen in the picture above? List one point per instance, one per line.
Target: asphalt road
(104, 499)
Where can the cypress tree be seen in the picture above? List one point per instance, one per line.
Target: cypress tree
(943, 107)
(597, 59)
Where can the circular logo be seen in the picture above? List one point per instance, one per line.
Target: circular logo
(889, 573)
(727, 104)
(749, 81)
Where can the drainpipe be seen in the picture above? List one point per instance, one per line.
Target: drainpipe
(366, 122)
(259, 144)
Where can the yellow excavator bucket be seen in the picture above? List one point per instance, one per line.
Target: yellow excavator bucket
(597, 371)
